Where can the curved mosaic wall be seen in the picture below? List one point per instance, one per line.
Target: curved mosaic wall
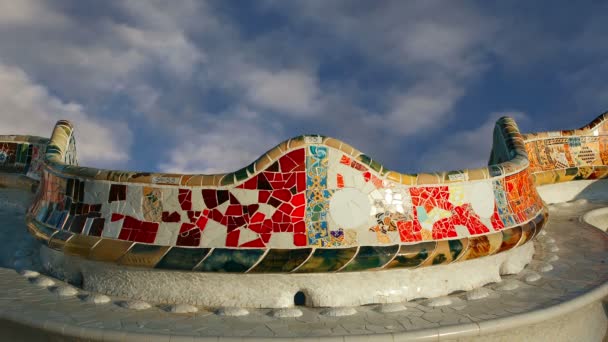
(22, 154)
(561, 156)
(311, 204)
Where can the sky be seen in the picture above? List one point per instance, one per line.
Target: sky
(209, 86)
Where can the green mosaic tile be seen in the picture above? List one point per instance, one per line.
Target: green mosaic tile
(282, 260)
(412, 255)
(179, 258)
(241, 174)
(456, 247)
(370, 257)
(231, 260)
(327, 260)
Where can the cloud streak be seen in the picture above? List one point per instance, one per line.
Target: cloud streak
(28, 108)
(215, 84)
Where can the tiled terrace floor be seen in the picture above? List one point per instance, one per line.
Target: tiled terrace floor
(571, 260)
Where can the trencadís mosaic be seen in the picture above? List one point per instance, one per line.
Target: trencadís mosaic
(569, 155)
(311, 204)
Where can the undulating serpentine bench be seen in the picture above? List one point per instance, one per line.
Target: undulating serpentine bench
(312, 204)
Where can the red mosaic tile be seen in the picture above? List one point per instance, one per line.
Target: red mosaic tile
(293, 161)
(232, 239)
(299, 240)
(116, 217)
(236, 222)
(262, 182)
(291, 180)
(193, 215)
(185, 199)
(521, 195)
(266, 237)
(138, 231)
(298, 212)
(118, 192)
(263, 196)
(216, 215)
(286, 209)
(497, 223)
(251, 184)
(210, 198)
(340, 181)
(201, 223)
(409, 231)
(301, 182)
(367, 176)
(189, 235)
(257, 217)
(282, 195)
(252, 208)
(298, 199)
(234, 210)
(259, 243)
(233, 199)
(171, 217)
(299, 227)
(357, 166)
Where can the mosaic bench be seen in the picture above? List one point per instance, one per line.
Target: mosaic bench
(21, 160)
(562, 156)
(311, 204)
(484, 284)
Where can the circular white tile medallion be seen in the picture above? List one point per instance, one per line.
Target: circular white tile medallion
(349, 207)
(478, 194)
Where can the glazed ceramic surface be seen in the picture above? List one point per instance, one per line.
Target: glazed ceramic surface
(562, 156)
(311, 204)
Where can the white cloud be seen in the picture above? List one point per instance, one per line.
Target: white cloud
(424, 107)
(165, 48)
(227, 143)
(28, 108)
(24, 12)
(373, 74)
(290, 91)
(466, 149)
(99, 56)
(451, 46)
(437, 57)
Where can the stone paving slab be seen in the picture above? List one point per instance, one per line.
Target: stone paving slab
(570, 260)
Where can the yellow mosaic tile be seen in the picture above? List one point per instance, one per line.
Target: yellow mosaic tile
(263, 162)
(59, 239)
(408, 179)
(211, 180)
(109, 250)
(335, 143)
(428, 179)
(478, 174)
(141, 255)
(393, 176)
(80, 245)
(283, 147)
(274, 154)
(440, 256)
(495, 241)
(296, 143)
(38, 234)
(349, 150)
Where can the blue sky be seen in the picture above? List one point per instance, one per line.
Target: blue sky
(200, 87)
